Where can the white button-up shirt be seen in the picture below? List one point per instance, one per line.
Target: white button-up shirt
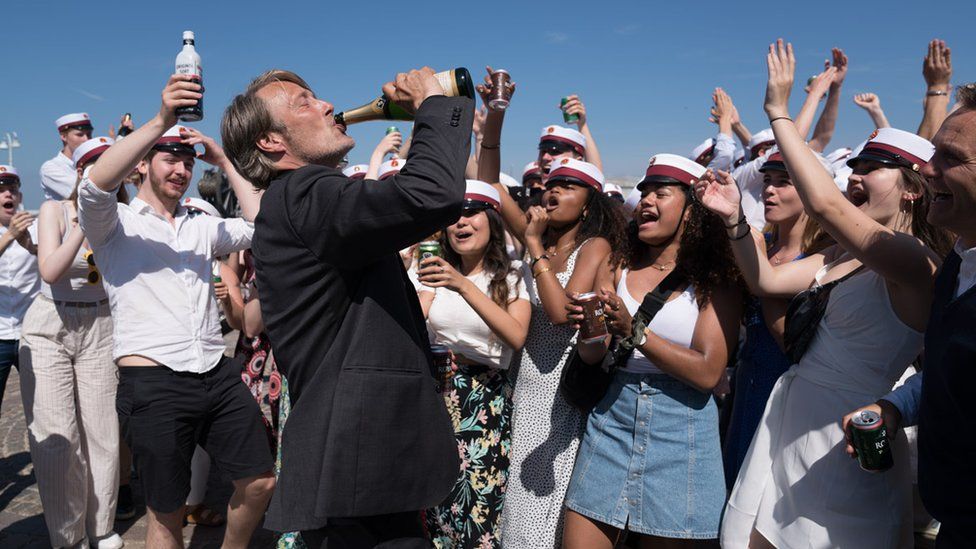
(58, 177)
(19, 283)
(157, 276)
(967, 268)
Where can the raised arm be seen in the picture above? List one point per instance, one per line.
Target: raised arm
(720, 194)
(722, 115)
(121, 158)
(897, 257)
(575, 106)
(823, 132)
(54, 256)
(738, 128)
(937, 71)
(390, 143)
(872, 105)
(248, 197)
(817, 90)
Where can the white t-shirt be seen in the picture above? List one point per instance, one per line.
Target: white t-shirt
(452, 322)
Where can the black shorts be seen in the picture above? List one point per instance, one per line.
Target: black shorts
(164, 414)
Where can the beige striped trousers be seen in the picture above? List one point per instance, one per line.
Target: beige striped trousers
(68, 382)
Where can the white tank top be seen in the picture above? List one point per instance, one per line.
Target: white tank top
(74, 284)
(675, 322)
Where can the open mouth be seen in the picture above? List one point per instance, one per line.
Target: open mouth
(857, 196)
(8, 205)
(464, 235)
(647, 217)
(552, 203)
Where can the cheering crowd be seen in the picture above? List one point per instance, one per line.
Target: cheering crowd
(756, 297)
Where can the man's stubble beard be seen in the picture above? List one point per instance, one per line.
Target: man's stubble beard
(329, 156)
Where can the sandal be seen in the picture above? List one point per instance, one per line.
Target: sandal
(202, 515)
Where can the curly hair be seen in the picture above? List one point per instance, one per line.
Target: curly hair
(604, 219)
(496, 263)
(705, 255)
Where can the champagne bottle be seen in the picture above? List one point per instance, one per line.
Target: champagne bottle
(455, 82)
(123, 129)
(188, 62)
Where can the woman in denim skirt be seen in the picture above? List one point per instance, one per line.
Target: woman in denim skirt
(650, 461)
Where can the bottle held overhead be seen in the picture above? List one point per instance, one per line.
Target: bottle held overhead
(188, 62)
(454, 83)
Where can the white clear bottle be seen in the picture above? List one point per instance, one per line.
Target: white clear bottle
(188, 62)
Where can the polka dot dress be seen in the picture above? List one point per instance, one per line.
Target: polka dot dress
(546, 431)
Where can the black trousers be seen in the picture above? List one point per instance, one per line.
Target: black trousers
(394, 531)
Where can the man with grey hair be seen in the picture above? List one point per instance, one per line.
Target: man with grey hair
(369, 442)
(939, 398)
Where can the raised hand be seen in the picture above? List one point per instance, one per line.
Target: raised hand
(409, 90)
(575, 106)
(782, 66)
(723, 108)
(180, 91)
(937, 67)
(538, 220)
(390, 143)
(212, 154)
(822, 83)
(719, 193)
(867, 101)
(839, 63)
(486, 89)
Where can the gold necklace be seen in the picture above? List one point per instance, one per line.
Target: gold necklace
(559, 250)
(664, 267)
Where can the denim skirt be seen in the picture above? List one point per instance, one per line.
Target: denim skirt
(650, 461)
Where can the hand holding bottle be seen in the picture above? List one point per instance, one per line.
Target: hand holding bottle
(180, 91)
(409, 90)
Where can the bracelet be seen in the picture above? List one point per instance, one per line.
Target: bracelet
(747, 232)
(741, 221)
(489, 147)
(780, 118)
(931, 93)
(546, 270)
(538, 259)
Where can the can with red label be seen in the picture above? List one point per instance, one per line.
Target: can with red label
(594, 325)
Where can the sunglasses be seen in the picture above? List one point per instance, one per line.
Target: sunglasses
(93, 277)
(555, 148)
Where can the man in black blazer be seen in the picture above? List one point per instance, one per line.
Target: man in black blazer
(369, 442)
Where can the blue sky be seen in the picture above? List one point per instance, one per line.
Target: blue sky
(644, 69)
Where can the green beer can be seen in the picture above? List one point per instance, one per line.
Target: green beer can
(392, 129)
(870, 439)
(568, 118)
(429, 249)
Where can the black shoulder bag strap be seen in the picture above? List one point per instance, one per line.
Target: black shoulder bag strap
(654, 300)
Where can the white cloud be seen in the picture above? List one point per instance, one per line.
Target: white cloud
(90, 95)
(556, 37)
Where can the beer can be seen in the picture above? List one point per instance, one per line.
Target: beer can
(392, 129)
(568, 118)
(870, 439)
(594, 325)
(429, 249)
(217, 279)
(442, 365)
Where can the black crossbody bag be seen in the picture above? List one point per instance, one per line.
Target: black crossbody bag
(584, 385)
(803, 316)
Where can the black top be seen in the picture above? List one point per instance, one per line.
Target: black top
(946, 429)
(367, 434)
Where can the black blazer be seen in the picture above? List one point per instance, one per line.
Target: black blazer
(367, 434)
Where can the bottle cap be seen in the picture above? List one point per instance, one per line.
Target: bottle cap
(187, 35)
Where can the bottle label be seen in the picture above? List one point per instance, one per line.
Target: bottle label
(448, 83)
(190, 68)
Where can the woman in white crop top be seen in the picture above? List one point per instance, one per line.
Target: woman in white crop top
(476, 305)
(650, 462)
(68, 378)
